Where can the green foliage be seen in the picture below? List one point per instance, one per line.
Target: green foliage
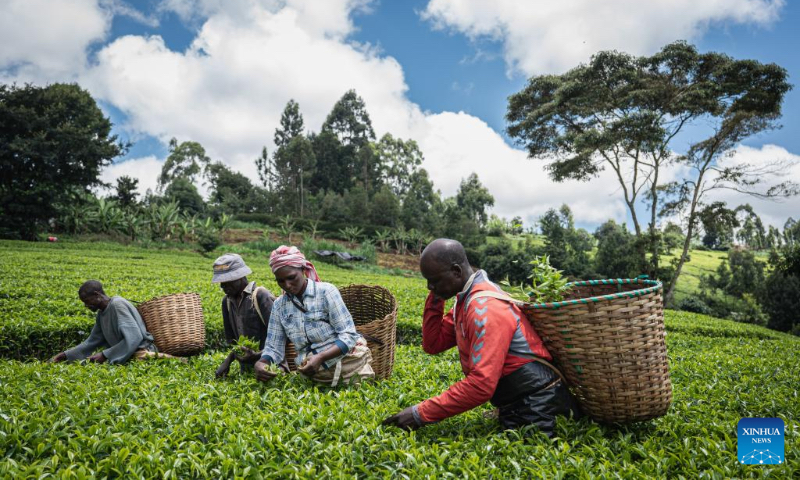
(718, 223)
(243, 344)
(473, 199)
(566, 246)
(54, 141)
(502, 259)
(546, 282)
(126, 191)
(617, 252)
(183, 192)
(40, 313)
(185, 160)
(780, 298)
(351, 234)
(173, 420)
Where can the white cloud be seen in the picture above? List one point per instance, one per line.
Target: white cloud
(772, 212)
(550, 36)
(145, 169)
(45, 40)
(227, 91)
(457, 144)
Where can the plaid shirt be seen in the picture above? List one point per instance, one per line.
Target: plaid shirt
(325, 322)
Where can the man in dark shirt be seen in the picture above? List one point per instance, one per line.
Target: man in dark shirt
(245, 309)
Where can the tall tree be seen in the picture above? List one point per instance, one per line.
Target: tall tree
(331, 174)
(718, 223)
(265, 171)
(473, 199)
(623, 112)
(291, 125)
(231, 191)
(185, 160)
(126, 191)
(54, 141)
(294, 166)
(400, 160)
(349, 121)
(420, 203)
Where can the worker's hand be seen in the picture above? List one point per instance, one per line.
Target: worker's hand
(249, 355)
(310, 365)
(98, 358)
(404, 419)
(223, 369)
(61, 357)
(262, 373)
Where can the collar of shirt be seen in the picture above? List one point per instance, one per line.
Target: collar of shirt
(310, 291)
(460, 296)
(250, 287)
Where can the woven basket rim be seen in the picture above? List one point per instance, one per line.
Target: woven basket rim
(654, 285)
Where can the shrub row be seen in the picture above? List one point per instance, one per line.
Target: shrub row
(40, 313)
(170, 420)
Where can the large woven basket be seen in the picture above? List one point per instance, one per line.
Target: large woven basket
(607, 338)
(374, 311)
(176, 323)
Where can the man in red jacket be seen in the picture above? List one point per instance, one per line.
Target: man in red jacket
(500, 352)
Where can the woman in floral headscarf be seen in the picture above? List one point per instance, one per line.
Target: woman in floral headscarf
(312, 315)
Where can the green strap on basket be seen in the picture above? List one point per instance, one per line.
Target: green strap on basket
(654, 286)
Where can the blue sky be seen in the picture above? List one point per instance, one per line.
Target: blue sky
(438, 71)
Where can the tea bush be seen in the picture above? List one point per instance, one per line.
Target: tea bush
(174, 420)
(165, 419)
(40, 312)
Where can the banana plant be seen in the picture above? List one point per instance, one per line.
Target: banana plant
(162, 220)
(130, 224)
(107, 216)
(351, 235)
(382, 238)
(313, 229)
(224, 223)
(400, 237)
(286, 228)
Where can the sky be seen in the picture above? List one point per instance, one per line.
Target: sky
(219, 72)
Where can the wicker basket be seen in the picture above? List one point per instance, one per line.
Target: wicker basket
(176, 323)
(607, 338)
(374, 311)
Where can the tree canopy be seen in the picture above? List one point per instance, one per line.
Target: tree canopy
(54, 141)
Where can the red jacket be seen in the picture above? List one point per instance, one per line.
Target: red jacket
(493, 340)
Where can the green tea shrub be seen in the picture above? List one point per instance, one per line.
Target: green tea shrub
(693, 304)
(40, 313)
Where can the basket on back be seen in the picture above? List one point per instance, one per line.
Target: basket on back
(607, 338)
(176, 323)
(374, 311)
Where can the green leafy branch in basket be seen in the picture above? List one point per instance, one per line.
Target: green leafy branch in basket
(244, 346)
(547, 283)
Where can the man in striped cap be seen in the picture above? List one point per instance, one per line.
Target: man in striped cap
(246, 309)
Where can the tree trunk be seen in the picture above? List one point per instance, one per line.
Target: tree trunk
(653, 214)
(687, 242)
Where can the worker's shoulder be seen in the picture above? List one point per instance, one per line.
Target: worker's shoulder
(120, 304)
(263, 293)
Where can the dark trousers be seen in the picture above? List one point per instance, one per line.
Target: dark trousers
(533, 395)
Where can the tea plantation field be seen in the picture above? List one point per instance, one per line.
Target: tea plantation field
(173, 420)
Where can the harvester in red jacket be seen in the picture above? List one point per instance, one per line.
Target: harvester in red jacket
(502, 356)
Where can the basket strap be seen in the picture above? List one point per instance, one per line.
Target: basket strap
(497, 295)
(255, 302)
(507, 298)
